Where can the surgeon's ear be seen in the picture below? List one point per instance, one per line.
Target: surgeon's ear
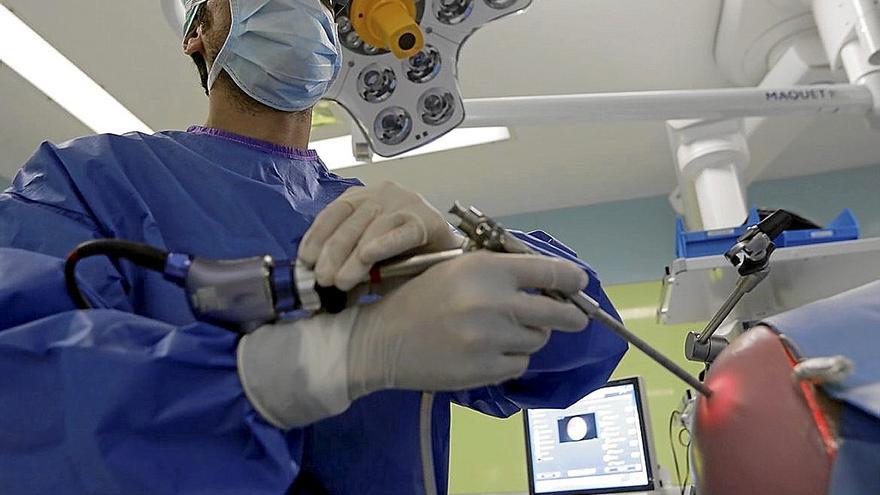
(194, 42)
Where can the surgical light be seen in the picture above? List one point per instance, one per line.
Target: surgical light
(336, 152)
(405, 99)
(28, 54)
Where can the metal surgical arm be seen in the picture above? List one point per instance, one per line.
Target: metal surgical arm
(751, 256)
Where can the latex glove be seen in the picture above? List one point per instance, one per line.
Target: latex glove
(294, 373)
(462, 324)
(366, 225)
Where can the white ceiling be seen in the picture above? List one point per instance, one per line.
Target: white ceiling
(558, 46)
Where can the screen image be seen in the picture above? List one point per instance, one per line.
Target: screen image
(594, 445)
(577, 428)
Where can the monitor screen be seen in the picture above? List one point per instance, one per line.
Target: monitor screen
(598, 445)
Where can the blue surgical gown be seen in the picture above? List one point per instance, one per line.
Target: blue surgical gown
(847, 324)
(137, 396)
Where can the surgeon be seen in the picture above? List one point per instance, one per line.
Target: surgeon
(136, 396)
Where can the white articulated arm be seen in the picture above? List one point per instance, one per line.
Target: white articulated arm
(803, 62)
(850, 31)
(711, 155)
(722, 103)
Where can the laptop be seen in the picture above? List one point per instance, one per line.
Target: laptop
(602, 444)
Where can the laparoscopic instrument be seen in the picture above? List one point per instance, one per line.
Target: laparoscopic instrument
(243, 294)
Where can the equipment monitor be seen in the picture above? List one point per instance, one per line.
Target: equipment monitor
(601, 444)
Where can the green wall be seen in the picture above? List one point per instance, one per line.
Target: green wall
(488, 454)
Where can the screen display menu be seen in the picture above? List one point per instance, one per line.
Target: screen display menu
(596, 444)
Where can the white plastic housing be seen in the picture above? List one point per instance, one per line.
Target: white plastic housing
(752, 34)
(850, 31)
(710, 156)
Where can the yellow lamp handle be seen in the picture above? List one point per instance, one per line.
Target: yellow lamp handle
(389, 25)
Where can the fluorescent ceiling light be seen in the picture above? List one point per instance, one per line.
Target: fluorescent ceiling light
(336, 152)
(36, 60)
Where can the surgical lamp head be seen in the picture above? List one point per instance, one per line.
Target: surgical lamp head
(399, 79)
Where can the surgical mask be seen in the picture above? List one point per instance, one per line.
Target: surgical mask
(282, 53)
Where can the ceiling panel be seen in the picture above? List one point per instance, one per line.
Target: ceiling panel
(833, 142)
(128, 48)
(28, 117)
(558, 46)
(578, 46)
(541, 168)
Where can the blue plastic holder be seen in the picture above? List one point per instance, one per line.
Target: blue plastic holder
(715, 242)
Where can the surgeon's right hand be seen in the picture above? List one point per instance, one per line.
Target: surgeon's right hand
(462, 324)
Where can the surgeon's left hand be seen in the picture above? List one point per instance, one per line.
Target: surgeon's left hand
(366, 225)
